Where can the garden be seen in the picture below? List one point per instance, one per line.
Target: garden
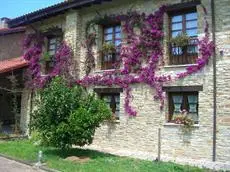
(92, 160)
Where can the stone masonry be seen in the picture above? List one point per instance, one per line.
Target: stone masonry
(139, 135)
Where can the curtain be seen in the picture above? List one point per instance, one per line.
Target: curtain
(192, 100)
(177, 100)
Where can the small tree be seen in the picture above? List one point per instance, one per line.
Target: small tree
(67, 115)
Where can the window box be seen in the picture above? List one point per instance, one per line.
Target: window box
(171, 124)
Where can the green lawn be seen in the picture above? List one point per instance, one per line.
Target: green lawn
(99, 162)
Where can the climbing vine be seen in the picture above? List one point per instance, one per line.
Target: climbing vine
(33, 46)
(142, 55)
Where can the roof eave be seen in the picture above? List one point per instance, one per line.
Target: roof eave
(51, 11)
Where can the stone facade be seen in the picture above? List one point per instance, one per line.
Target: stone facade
(139, 135)
(11, 45)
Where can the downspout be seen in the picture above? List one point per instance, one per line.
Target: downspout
(214, 79)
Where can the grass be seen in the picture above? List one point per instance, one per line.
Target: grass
(100, 162)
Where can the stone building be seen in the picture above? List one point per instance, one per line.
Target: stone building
(204, 94)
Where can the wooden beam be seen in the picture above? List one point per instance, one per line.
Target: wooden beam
(183, 88)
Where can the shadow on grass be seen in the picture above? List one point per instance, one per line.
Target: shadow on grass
(76, 152)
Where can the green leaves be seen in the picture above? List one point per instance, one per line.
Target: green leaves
(67, 115)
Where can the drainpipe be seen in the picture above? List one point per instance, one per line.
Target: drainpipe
(214, 79)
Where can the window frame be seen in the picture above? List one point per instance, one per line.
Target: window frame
(185, 57)
(107, 65)
(56, 37)
(184, 104)
(114, 94)
(49, 63)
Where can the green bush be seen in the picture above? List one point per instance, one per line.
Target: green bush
(67, 115)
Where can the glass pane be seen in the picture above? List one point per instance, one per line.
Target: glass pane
(177, 26)
(193, 41)
(109, 30)
(117, 98)
(117, 113)
(108, 37)
(176, 51)
(108, 58)
(191, 24)
(192, 49)
(177, 100)
(177, 18)
(109, 41)
(117, 106)
(52, 47)
(192, 99)
(191, 32)
(191, 16)
(118, 35)
(51, 52)
(175, 33)
(52, 41)
(118, 29)
(117, 42)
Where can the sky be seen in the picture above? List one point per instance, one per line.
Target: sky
(16, 8)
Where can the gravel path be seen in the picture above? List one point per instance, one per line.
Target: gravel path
(7, 165)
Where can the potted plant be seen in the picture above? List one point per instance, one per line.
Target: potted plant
(185, 120)
(181, 40)
(46, 57)
(108, 48)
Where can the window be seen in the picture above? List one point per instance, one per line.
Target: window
(179, 101)
(113, 101)
(53, 44)
(112, 35)
(184, 23)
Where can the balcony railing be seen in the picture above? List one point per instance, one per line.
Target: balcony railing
(183, 54)
(109, 60)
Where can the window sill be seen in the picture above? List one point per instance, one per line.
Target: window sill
(170, 124)
(179, 66)
(106, 70)
(44, 75)
(117, 121)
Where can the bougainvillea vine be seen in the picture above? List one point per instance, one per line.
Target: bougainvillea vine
(33, 45)
(142, 54)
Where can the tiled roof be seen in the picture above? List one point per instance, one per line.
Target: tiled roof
(5, 31)
(12, 64)
(52, 11)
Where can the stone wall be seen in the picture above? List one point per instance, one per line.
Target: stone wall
(11, 45)
(223, 79)
(139, 135)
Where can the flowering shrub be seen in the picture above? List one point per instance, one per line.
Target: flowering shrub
(66, 116)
